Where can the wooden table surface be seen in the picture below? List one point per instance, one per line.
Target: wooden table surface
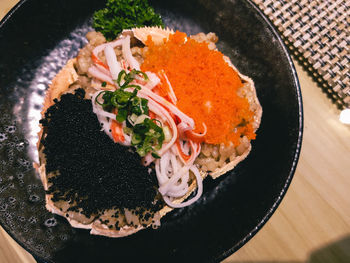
(312, 224)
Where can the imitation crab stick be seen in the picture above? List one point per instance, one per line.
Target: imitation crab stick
(97, 73)
(97, 61)
(178, 152)
(185, 157)
(165, 87)
(117, 131)
(196, 137)
(194, 150)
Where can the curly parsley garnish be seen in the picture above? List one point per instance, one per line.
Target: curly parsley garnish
(124, 14)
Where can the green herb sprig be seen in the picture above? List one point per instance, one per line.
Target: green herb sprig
(124, 14)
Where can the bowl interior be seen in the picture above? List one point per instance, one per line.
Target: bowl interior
(37, 40)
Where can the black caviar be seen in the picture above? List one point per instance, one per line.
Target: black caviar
(94, 173)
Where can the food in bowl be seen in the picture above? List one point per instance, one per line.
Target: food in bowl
(131, 127)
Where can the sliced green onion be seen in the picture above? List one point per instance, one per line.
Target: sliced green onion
(133, 86)
(155, 155)
(167, 134)
(121, 76)
(136, 139)
(141, 118)
(138, 72)
(96, 99)
(146, 135)
(122, 114)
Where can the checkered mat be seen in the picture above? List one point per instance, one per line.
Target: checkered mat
(317, 33)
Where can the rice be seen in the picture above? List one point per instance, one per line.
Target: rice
(212, 157)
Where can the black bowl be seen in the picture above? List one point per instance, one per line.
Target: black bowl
(37, 38)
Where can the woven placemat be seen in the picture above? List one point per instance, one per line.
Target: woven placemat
(317, 33)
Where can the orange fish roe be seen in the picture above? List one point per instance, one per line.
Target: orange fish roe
(205, 86)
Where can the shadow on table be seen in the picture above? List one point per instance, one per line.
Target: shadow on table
(337, 252)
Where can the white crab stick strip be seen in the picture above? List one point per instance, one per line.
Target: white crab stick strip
(153, 80)
(103, 70)
(163, 189)
(101, 47)
(95, 72)
(166, 167)
(112, 62)
(158, 110)
(172, 93)
(148, 159)
(199, 180)
(101, 115)
(168, 105)
(173, 176)
(195, 150)
(127, 54)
